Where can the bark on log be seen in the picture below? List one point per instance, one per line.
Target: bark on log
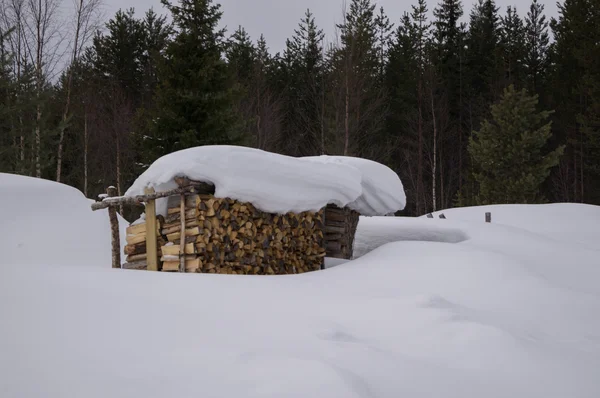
(114, 231)
(137, 265)
(136, 257)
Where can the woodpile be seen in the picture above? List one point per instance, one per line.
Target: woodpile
(136, 245)
(340, 228)
(226, 236)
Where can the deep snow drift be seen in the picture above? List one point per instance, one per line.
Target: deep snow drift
(44, 222)
(277, 183)
(464, 309)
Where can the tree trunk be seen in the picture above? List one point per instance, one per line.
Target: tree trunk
(68, 101)
(419, 197)
(347, 119)
(434, 168)
(323, 119)
(85, 154)
(38, 66)
(119, 171)
(581, 173)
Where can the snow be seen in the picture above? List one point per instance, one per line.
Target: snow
(43, 222)
(430, 308)
(277, 183)
(562, 221)
(382, 190)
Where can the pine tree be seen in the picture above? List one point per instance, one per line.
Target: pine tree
(196, 96)
(509, 151)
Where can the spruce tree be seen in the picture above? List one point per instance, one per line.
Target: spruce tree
(575, 86)
(300, 80)
(361, 103)
(537, 44)
(241, 56)
(196, 96)
(120, 51)
(509, 151)
(512, 43)
(483, 52)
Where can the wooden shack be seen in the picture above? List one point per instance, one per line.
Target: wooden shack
(227, 236)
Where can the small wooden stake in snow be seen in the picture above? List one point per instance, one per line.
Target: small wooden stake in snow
(151, 250)
(114, 230)
(488, 217)
(182, 236)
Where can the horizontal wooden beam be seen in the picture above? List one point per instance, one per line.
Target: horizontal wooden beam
(139, 200)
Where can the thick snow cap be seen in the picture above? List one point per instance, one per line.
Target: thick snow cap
(277, 183)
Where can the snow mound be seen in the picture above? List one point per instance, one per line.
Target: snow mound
(44, 222)
(277, 183)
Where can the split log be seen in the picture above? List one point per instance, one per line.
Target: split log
(138, 229)
(135, 239)
(174, 250)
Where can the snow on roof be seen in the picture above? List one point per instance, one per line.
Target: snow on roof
(276, 183)
(382, 190)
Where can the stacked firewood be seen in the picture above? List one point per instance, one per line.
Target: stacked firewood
(136, 245)
(340, 228)
(230, 237)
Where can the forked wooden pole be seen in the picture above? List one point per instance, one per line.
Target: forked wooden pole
(151, 249)
(114, 230)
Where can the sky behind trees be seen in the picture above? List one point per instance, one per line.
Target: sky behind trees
(277, 19)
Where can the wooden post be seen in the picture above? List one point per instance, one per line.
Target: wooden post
(151, 249)
(488, 217)
(114, 230)
(182, 240)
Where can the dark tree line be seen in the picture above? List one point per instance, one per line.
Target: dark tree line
(504, 108)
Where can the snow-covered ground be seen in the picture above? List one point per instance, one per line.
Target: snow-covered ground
(431, 308)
